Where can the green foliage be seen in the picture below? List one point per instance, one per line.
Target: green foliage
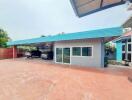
(109, 47)
(3, 38)
(26, 48)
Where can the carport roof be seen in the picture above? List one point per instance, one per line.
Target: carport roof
(100, 33)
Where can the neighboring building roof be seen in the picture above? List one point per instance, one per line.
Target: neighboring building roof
(86, 7)
(126, 35)
(128, 23)
(100, 33)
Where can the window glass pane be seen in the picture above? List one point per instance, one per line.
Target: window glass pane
(58, 54)
(123, 56)
(129, 40)
(86, 51)
(76, 51)
(129, 47)
(129, 56)
(124, 41)
(123, 47)
(66, 55)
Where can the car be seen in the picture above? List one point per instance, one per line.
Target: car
(33, 54)
(47, 55)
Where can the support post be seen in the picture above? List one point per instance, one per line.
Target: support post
(14, 52)
(119, 51)
(103, 63)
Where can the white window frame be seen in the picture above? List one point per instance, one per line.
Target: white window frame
(71, 53)
(62, 56)
(127, 47)
(81, 51)
(76, 47)
(91, 51)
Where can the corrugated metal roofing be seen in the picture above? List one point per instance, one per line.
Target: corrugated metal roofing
(126, 35)
(86, 7)
(107, 32)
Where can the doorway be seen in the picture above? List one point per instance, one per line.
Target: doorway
(63, 55)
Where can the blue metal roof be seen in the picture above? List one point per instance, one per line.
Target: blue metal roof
(107, 32)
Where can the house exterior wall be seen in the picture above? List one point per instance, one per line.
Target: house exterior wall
(97, 58)
(119, 51)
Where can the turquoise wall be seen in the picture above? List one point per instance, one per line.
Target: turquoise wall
(118, 51)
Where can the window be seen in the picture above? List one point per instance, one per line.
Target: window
(124, 41)
(129, 47)
(129, 56)
(129, 40)
(123, 56)
(76, 51)
(66, 55)
(58, 54)
(86, 51)
(123, 47)
(82, 51)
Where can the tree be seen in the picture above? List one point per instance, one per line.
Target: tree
(3, 38)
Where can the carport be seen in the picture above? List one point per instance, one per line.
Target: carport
(42, 47)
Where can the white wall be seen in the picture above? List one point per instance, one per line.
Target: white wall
(94, 61)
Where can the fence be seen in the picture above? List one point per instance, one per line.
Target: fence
(6, 53)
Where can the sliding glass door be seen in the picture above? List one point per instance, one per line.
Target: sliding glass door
(59, 55)
(66, 55)
(63, 55)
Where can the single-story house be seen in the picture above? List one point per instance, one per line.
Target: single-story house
(80, 48)
(124, 43)
(124, 47)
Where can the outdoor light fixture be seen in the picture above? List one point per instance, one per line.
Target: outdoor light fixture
(86, 7)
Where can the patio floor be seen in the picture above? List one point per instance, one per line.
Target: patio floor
(38, 80)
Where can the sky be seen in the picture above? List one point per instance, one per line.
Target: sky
(24, 19)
